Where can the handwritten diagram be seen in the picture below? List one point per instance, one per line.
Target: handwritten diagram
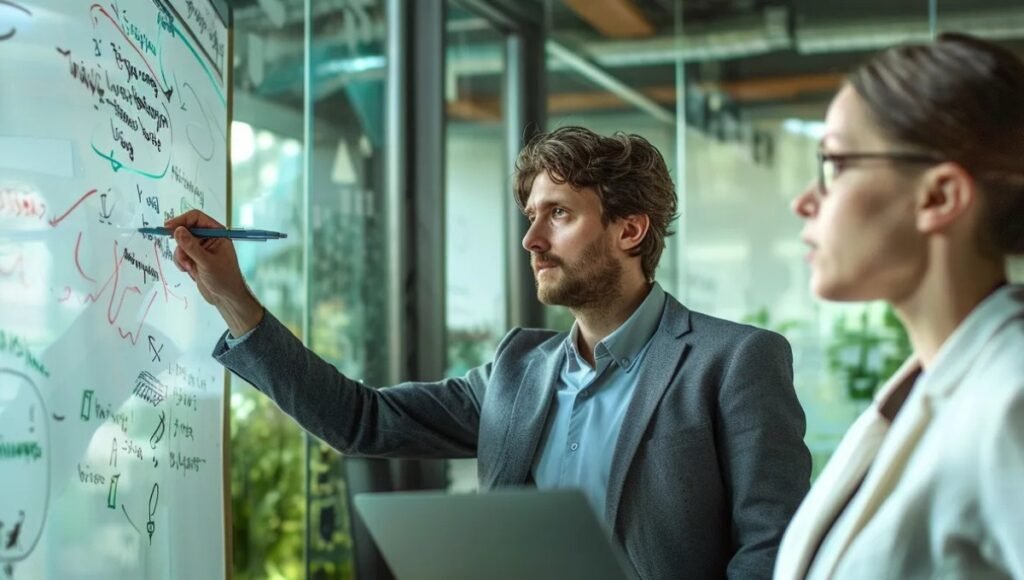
(6, 7)
(111, 410)
(24, 465)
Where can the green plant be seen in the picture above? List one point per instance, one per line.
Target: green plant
(865, 351)
(267, 495)
(558, 318)
(763, 319)
(469, 348)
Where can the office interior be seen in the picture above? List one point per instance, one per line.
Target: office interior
(383, 133)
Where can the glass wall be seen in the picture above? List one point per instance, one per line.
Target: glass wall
(755, 101)
(347, 269)
(268, 505)
(307, 160)
(477, 186)
(734, 94)
(476, 196)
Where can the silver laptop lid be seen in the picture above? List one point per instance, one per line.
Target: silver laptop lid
(500, 535)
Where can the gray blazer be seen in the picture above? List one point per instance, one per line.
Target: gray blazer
(709, 467)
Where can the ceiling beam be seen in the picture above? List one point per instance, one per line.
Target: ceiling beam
(608, 81)
(613, 18)
(777, 88)
(752, 91)
(482, 110)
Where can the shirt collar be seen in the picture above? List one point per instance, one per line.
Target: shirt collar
(624, 344)
(963, 347)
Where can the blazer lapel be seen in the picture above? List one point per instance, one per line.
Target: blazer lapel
(952, 362)
(659, 367)
(886, 470)
(963, 349)
(841, 478)
(863, 448)
(528, 418)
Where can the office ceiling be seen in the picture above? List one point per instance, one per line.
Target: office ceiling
(752, 58)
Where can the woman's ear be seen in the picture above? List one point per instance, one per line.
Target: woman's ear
(948, 193)
(633, 231)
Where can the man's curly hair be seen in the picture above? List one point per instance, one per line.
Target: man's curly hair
(628, 174)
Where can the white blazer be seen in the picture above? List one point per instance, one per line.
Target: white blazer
(939, 491)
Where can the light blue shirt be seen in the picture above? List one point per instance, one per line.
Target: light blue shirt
(586, 414)
(232, 342)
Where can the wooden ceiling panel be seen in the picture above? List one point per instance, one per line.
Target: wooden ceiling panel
(746, 92)
(613, 18)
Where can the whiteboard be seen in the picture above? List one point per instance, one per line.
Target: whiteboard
(113, 116)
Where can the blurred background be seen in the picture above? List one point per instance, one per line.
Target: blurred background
(380, 135)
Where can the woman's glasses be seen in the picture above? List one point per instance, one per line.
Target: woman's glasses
(829, 164)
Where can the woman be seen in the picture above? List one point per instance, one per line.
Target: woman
(920, 200)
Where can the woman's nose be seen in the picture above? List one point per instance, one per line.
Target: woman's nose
(805, 205)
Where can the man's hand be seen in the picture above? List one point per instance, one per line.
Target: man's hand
(213, 264)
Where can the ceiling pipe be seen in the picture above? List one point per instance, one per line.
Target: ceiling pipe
(847, 36)
(603, 79)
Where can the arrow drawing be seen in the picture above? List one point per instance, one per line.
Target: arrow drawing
(58, 219)
(125, 510)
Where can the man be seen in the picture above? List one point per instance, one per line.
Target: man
(682, 430)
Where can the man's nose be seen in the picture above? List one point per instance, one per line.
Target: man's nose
(534, 240)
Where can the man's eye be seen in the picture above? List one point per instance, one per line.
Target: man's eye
(558, 212)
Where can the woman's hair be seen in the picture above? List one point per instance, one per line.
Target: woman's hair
(627, 172)
(961, 99)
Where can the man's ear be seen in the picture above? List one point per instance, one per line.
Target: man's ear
(633, 230)
(948, 193)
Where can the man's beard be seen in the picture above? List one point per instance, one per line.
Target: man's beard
(591, 280)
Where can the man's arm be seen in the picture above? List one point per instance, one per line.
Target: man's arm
(765, 463)
(410, 420)
(422, 420)
(213, 265)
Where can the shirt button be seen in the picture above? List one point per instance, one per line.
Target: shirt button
(574, 446)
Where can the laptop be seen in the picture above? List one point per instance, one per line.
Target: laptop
(499, 535)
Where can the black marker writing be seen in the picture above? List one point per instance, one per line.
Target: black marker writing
(86, 476)
(154, 500)
(89, 77)
(15, 533)
(10, 33)
(149, 389)
(154, 349)
(147, 270)
(158, 433)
